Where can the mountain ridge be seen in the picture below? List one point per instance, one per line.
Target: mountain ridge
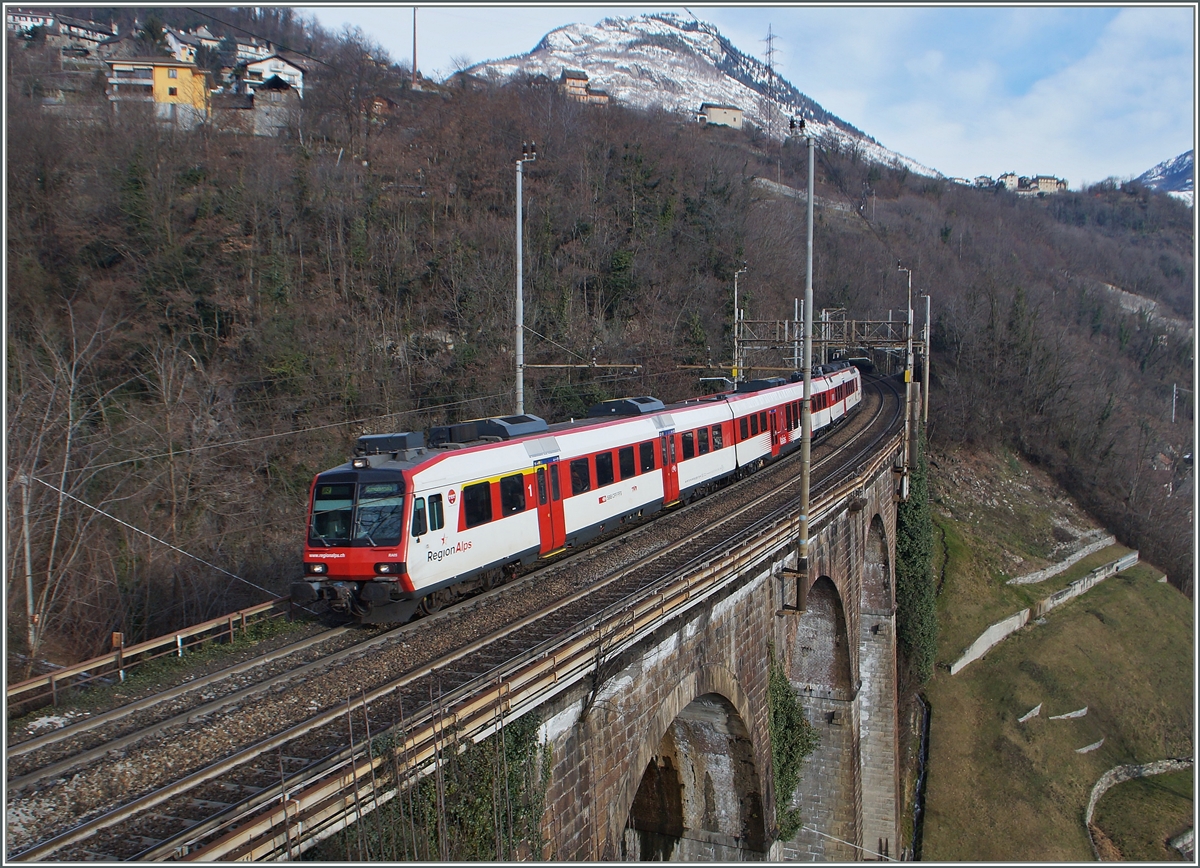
(1175, 177)
(663, 59)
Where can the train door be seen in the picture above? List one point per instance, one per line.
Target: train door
(776, 433)
(670, 468)
(551, 521)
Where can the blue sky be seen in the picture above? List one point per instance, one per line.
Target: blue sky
(1081, 92)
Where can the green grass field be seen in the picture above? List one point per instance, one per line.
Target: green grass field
(1141, 816)
(1003, 790)
(1000, 790)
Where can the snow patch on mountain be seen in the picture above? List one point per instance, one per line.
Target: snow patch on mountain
(1175, 177)
(669, 62)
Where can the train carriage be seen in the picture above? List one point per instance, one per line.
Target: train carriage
(406, 525)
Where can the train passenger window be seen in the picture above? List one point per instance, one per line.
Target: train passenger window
(716, 437)
(646, 451)
(625, 460)
(436, 518)
(745, 428)
(762, 422)
(581, 477)
(753, 424)
(419, 526)
(689, 445)
(512, 494)
(477, 503)
(702, 441)
(604, 469)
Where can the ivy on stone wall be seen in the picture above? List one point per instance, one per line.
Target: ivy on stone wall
(483, 804)
(793, 738)
(916, 595)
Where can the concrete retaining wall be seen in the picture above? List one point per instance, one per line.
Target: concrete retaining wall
(1055, 569)
(1089, 581)
(1120, 774)
(989, 637)
(998, 631)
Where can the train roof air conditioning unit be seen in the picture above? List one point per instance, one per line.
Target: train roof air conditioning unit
(626, 407)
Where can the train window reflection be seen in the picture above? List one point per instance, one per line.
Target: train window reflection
(647, 455)
(581, 478)
(625, 460)
(477, 503)
(380, 514)
(332, 507)
(419, 526)
(512, 494)
(604, 469)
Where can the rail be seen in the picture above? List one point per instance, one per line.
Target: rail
(310, 807)
(123, 657)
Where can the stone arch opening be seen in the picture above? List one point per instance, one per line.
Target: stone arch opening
(699, 799)
(877, 571)
(820, 658)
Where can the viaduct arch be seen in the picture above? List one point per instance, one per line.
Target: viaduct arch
(667, 755)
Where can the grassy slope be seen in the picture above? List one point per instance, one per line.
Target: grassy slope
(1141, 816)
(1001, 790)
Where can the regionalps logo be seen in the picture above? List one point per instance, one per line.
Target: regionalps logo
(448, 551)
(327, 554)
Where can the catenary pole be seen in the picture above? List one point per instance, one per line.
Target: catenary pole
(528, 155)
(806, 401)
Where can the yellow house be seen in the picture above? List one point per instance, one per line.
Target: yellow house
(178, 91)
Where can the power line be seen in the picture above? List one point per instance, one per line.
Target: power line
(263, 437)
(263, 38)
(152, 536)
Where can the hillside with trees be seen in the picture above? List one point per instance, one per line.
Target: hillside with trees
(198, 322)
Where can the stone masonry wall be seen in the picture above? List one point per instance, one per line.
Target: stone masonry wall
(601, 743)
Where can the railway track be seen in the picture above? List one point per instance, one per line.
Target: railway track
(155, 793)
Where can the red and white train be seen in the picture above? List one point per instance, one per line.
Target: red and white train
(405, 525)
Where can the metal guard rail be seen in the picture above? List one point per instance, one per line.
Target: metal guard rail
(125, 657)
(481, 707)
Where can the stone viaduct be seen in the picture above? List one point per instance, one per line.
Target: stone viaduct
(668, 756)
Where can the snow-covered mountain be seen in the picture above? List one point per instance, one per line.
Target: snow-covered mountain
(677, 63)
(1175, 177)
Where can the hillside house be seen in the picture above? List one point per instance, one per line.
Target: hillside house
(24, 20)
(720, 115)
(61, 31)
(983, 181)
(290, 69)
(178, 92)
(206, 39)
(575, 83)
(251, 50)
(1010, 180)
(183, 46)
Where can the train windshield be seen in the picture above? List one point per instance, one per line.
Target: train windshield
(380, 514)
(357, 514)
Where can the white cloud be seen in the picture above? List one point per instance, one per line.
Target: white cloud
(1080, 92)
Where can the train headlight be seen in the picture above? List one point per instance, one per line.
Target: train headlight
(316, 569)
(391, 568)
